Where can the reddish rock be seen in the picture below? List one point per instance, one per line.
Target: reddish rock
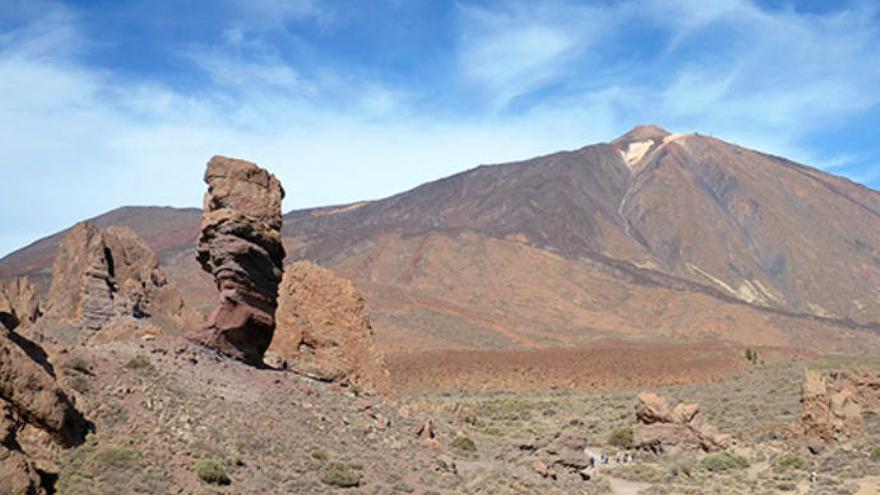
(29, 395)
(324, 331)
(18, 303)
(682, 425)
(833, 403)
(101, 276)
(652, 408)
(240, 245)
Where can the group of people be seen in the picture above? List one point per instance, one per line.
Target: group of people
(620, 458)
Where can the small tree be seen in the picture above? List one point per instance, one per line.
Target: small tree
(751, 356)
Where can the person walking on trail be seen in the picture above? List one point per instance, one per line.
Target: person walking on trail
(813, 477)
(592, 462)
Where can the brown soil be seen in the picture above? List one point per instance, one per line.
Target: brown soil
(604, 365)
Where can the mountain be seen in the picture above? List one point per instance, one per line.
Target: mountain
(651, 236)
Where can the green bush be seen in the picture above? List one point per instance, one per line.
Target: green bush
(141, 363)
(339, 474)
(622, 438)
(723, 461)
(752, 356)
(115, 456)
(875, 454)
(319, 455)
(791, 461)
(463, 444)
(211, 471)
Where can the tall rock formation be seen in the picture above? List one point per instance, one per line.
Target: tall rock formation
(102, 275)
(324, 331)
(240, 245)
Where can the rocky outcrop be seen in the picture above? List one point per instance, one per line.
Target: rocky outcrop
(833, 403)
(565, 454)
(240, 245)
(18, 303)
(323, 329)
(660, 426)
(99, 276)
(29, 395)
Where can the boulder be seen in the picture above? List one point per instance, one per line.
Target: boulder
(18, 303)
(833, 403)
(652, 408)
(240, 246)
(323, 329)
(101, 276)
(30, 396)
(660, 425)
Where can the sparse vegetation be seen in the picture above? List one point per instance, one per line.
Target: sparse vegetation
(79, 383)
(115, 456)
(211, 471)
(622, 438)
(341, 475)
(875, 454)
(76, 364)
(723, 461)
(752, 356)
(463, 444)
(791, 461)
(139, 363)
(320, 455)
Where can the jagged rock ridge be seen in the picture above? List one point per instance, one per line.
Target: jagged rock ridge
(102, 275)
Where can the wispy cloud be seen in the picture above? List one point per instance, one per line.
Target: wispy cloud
(335, 131)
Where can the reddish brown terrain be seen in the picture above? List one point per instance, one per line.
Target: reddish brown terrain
(702, 314)
(652, 238)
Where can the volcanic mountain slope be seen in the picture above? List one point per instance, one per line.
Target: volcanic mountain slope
(735, 221)
(651, 235)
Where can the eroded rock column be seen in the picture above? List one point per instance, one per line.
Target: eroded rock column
(240, 245)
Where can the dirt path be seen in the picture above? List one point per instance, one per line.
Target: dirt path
(624, 487)
(869, 486)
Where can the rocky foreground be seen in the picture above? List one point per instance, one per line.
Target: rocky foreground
(164, 409)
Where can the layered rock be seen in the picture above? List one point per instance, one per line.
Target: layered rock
(30, 395)
(833, 403)
(661, 425)
(18, 303)
(324, 331)
(240, 245)
(102, 275)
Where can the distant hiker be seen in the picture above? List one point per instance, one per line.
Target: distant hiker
(629, 458)
(813, 477)
(603, 457)
(592, 462)
(619, 457)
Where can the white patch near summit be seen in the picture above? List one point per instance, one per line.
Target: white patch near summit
(635, 151)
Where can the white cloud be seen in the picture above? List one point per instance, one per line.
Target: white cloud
(76, 141)
(511, 50)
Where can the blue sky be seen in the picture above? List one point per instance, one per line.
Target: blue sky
(111, 103)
